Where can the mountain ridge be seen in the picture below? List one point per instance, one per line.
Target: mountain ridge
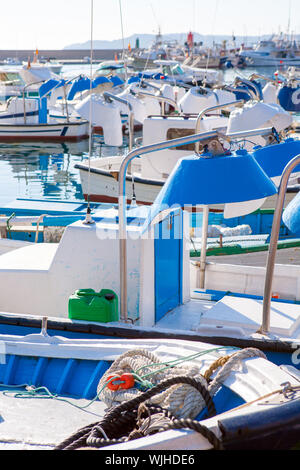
(146, 40)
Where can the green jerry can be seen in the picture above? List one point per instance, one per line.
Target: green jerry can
(86, 304)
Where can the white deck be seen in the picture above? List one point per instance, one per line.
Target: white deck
(229, 316)
(41, 423)
(33, 257)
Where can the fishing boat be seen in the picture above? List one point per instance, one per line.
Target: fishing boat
(272, 52)
(64, 388)
(148, 176)
(170, 298)
(176, 73)
(29, 118)
(161, 322)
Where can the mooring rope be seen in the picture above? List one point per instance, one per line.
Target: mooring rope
(143, 414)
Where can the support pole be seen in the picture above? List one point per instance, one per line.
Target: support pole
(203, 245)
(265, 326)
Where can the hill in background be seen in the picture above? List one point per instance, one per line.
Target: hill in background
(146, 40)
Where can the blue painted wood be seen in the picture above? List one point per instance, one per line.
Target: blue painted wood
(91, 386)
(37, 378)
(10, 370)
(23, 206)
(66, 377)
(167, 264)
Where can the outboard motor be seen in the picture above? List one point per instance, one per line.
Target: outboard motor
(270, 93)
(289, 98)
(253, 86)
(258, 115)
(199, 98)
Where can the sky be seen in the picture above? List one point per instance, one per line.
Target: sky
(31, 24)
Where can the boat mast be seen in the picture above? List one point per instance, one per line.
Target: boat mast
(88, 219)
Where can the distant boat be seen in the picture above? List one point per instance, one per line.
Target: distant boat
(29, 119)
(12, 61)
(176, 73)
(99, 177)
(271, 53)
(110, 68)
(51, 66)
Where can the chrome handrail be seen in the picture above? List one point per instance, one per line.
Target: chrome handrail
(265, 326)
(239, 90)
(163, 99)
(138, 152)
(209, 109)
(23, 94)
(262, 77)
(249, 83)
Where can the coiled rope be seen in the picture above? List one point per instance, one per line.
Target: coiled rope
(141, 414)
(181, 400)
(118, 418)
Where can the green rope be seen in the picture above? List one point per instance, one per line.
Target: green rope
(43, 392)
(40, 392)
(142, 379)
(8, 226)
(175, 362)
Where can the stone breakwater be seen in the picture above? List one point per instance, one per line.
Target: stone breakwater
(67, 55)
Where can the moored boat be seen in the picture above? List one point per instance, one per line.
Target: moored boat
(68, 395)
(99, 175)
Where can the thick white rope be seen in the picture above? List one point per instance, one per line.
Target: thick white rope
(183, 401)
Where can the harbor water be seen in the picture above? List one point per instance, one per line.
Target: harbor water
(39, 170)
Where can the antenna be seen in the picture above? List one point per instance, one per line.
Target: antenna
(88, 218)
(289, 19)
(123, 41)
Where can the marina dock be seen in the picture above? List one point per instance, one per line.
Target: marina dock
(149, 230)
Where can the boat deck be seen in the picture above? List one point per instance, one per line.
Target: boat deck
(290, 256)
(31, 424)
(231, 315)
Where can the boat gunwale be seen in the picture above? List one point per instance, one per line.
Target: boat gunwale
(120, 331)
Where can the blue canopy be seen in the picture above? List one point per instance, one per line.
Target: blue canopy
(291, 215)
(145, 75)
(274, 158)
(116, 80)
(133, 80)
(215, 180)
(84, 83)
(49, 85)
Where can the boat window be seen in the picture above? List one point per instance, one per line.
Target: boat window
(175, 133)
(177, 70)
(14, 77)
(166, 70)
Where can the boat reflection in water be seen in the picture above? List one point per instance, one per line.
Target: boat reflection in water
(41, 169)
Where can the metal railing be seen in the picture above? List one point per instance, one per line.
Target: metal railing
(138, 152)
(164, 100)
(208, 110)
(265, 326)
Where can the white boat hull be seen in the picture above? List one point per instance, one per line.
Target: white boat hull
(100, 185)
(266, 61)
(46, 132)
